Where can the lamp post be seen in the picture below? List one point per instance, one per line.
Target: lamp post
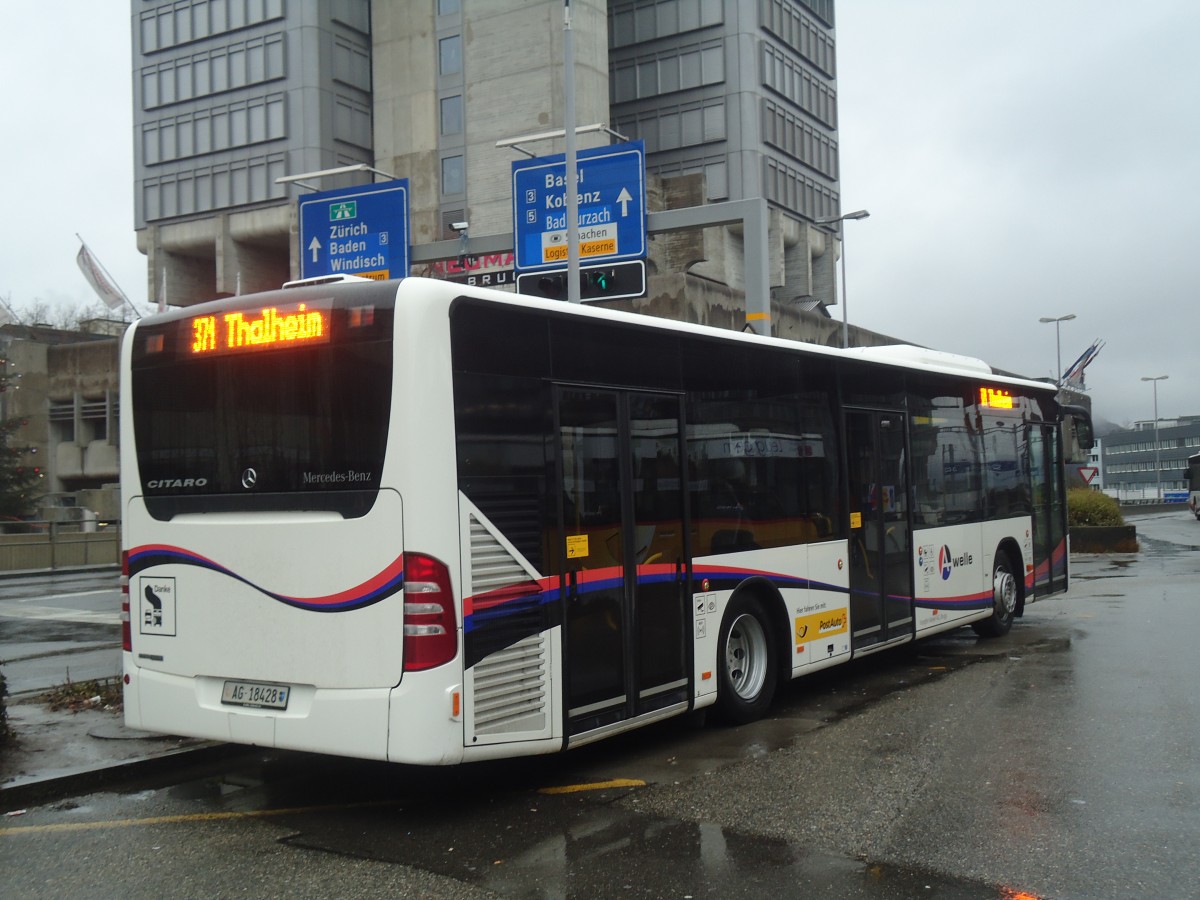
(1154, 380)
(1058, 342)
(324, 173)
(838, 220)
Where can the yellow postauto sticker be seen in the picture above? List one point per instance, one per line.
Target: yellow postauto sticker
(821, 625)
(577, 546)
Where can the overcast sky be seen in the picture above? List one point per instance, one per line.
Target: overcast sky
(1022, 160)
(66, 155)
(1018, 160)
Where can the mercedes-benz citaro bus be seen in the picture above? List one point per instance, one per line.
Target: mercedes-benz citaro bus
(428, 523)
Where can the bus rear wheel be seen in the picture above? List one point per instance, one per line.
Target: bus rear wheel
(746, 664)
(1005, 591)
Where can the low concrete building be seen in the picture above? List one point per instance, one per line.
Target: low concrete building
(63, 388)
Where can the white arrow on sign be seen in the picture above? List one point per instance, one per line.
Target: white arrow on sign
(314, 245)
(623, 198)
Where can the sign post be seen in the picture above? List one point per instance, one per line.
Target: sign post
(360, 230)
(611, 192)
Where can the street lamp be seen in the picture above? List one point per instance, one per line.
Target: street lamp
(324, 173)
(1157, 470)
(830, 220)
(1058, 342)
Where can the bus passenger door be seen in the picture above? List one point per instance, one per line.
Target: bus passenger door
(1049, 513)
(881, 596)
(626, 625)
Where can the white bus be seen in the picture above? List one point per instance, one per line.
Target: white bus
(420, 522)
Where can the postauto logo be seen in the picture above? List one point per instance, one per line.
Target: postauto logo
(947, 561)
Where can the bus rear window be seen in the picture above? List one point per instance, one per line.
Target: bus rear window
(297, 424)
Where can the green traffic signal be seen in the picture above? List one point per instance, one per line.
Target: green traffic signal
(623, 279)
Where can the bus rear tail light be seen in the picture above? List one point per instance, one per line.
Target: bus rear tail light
(126, 629)
(430, 625)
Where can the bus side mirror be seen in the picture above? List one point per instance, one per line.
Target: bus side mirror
(1079, 432)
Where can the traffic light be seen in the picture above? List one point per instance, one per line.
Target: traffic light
(599, 282)
(611, 282)
(552, 285)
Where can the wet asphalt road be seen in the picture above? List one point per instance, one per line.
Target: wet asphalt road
(56, 628)
(1060, 761)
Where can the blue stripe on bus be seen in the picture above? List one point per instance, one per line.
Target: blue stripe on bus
(493, 606)
(380, 586)
(967, 601)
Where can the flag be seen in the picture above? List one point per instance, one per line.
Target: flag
(1074, 374)
(112, 295)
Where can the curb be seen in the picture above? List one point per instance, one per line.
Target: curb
(1103, 538)
(40, 790)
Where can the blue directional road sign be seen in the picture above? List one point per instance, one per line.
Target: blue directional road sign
(612, 207)
(359, 230)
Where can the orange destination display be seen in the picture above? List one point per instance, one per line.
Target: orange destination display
(995, 398)
(263, 329)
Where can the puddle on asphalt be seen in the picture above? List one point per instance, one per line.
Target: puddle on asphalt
(569, 848)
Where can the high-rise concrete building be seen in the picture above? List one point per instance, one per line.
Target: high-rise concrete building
(228, 96)
(734, 99)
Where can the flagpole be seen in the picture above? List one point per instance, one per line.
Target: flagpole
(108, 275)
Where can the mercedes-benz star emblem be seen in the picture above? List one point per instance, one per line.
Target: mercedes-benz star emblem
(249, 478)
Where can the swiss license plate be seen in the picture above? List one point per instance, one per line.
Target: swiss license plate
(256, 694)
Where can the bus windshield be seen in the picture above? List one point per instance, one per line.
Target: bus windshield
(283, 406)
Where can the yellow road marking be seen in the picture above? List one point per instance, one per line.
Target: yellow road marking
(595, 786)
(179, 819)
(192, 818)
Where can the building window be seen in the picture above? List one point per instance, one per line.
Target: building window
(451, 114)
(454, 180)
(62, 421)
(450, 55)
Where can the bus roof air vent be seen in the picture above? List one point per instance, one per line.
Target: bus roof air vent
(323, 279)
(923, 356)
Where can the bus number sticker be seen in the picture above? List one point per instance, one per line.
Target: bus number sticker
(577, 546)
(156, 606)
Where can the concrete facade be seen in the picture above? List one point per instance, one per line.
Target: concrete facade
(743, 94)
(504, 80)
(67, 399)
(230, 96)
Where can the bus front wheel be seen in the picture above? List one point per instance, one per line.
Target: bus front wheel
(1005, 591)
(746, 665)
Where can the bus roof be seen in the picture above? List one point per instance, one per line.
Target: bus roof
(905, 356)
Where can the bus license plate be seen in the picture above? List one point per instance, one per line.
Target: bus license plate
(256, 694)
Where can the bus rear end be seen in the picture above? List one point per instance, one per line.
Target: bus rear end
(263, 545)
(1192, 475)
